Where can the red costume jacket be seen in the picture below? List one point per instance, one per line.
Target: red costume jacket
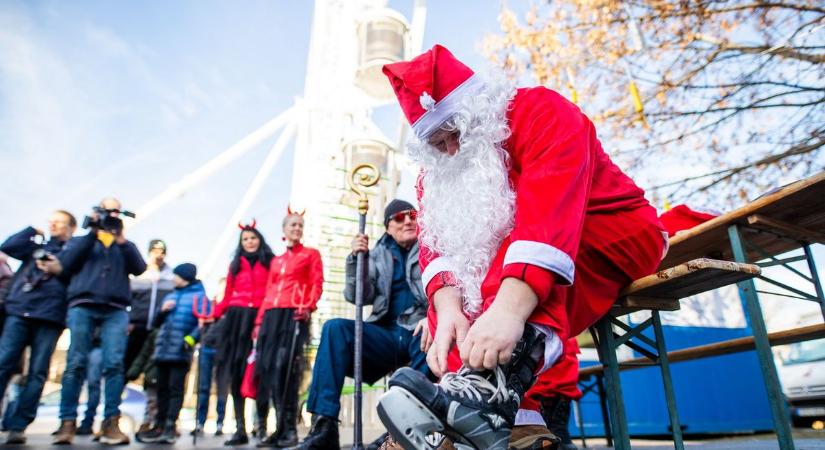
(245, 289)
(564, 183)
(295, 280)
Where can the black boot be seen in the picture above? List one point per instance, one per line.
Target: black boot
(474, 408)
(287, 430)
(322, 436)
(556, 413)
(240, 437)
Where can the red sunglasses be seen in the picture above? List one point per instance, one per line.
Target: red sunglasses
(399, 217)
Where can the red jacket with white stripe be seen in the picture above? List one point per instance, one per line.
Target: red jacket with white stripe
(560, 175)
(295, 280)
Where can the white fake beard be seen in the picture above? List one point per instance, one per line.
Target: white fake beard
(468, 204)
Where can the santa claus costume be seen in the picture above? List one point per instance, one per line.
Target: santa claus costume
(294, 286)
(529, 195)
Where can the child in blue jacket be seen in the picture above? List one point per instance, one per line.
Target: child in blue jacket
(178, 332)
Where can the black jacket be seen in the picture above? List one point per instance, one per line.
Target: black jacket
(100, 275)
(47, 300)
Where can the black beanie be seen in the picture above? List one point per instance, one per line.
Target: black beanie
(395, 207)
(187, 271)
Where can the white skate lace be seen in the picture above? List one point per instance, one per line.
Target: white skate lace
(473, 386)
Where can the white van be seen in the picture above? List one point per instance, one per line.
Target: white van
(803, 380)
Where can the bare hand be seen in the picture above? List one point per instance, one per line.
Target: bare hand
(255, 332)
(130, 328)
(491, 339)
(452, 328)
(51, 265)
(423, 328)
(168, 305)
(120, 238)
(360, 243)
(300, 315)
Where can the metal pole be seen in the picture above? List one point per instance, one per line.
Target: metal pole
(815, 277)
(747, 291)
(361, 177)
(667, 382)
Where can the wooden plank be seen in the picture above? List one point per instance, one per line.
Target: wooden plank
(690, 278)
(786, 229)
(728, 347)
(799, 203)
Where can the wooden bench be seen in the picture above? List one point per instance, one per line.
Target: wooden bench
(661, 291)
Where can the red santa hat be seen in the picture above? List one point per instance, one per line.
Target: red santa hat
(430, 88)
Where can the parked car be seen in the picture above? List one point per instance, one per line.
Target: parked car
(803, 381)
(131, 410)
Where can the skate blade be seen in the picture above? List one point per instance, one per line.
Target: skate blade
(408, 420)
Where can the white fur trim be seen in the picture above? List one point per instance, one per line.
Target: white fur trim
(438, 113)
(667, 245)
(529, 417)
(543, 255)
(436, 266)
(553, 347)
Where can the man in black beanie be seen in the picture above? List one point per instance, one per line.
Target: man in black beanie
(392, 333)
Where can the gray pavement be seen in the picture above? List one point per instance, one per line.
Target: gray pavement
(805, 440)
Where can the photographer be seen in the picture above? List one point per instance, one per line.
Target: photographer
(98, 295)
(36, 313)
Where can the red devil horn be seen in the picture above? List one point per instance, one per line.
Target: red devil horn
(289, 210)
(240, 225)
(254, 222)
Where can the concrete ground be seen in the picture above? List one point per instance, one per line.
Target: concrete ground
(805, 440)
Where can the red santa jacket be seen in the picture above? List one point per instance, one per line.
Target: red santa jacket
(560, 175)
(245, 289)
(295, 280)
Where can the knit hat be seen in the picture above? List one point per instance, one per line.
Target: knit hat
(157, 243)
(187, 271)
(395, 207)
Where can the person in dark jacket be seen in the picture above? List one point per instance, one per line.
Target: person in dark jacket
(392, 334)
(100, 264)
(174, 346)
(145, 364)
(211, 333)
(6, 274)
(36, 314)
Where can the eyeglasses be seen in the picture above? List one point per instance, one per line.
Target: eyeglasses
(400, 217)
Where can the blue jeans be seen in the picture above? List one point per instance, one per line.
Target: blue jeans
(386, 348)
(82, 320)
(94, 378)
(206, 360)
(18, 333)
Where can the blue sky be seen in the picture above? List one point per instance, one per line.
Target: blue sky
(124, 98)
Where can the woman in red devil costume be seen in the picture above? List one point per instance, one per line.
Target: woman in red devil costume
(245, 289)
(293, 289)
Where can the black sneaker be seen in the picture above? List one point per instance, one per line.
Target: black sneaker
(84, 430)
(473, 408)
(169, 435)
(151, 436)
(197, 431)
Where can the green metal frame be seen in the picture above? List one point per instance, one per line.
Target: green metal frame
(749, 296)
(608, 340)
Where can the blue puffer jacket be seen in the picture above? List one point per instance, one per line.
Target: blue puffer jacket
(47, 301)
(178, 323)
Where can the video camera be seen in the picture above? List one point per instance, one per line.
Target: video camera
(106, 221)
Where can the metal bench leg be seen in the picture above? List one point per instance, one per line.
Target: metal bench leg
(809, 256)
(580, 416)
(608, 435)
(747, 291)
(667, 381)
(618, 420)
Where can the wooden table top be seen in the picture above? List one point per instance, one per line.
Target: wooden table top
(801, 203)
